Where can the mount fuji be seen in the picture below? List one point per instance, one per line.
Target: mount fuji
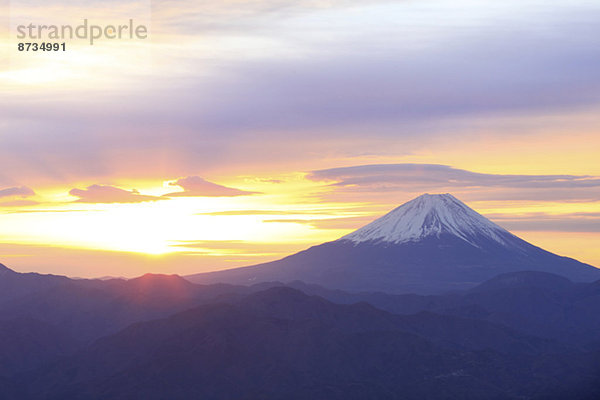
(431, 244)
(432, 215)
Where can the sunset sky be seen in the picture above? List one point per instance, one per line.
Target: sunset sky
(243, 131)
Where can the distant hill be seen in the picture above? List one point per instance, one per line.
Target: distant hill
(533, 302)
(283, 344)
(519, 335)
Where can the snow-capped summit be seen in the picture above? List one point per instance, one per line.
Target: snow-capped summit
(430, 215)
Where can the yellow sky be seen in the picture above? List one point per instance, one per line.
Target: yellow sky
(192, 234)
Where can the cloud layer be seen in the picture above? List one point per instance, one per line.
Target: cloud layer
(443, 176)
(271, 80)
(110, 194)
(381, 178)
(17, 191)
(541, 222)
(197, 186)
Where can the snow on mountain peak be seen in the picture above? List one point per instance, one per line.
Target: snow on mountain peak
(430, 215)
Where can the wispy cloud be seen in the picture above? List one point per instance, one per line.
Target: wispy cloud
(251, 212)
(328, 223)
(568, 222)
(381, 178)
(110, 194)
(17, 191)
(19, 203)
(197, 186)
(443, 175)
(289, 211)
(44, 211)
(235, 247)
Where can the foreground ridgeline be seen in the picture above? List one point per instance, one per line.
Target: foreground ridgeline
(430, 245)
(521, 335)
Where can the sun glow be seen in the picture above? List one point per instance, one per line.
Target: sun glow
(169, 225)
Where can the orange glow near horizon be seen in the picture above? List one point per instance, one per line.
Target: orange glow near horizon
(194, 234)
